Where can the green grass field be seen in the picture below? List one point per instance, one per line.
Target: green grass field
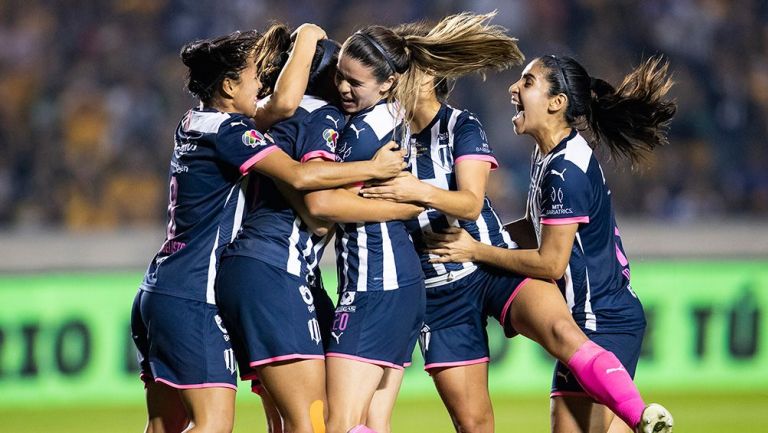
(700, 413)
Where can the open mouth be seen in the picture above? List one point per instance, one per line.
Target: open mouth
(520, 109)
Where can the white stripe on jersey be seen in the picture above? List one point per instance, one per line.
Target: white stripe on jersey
(239, 209)
(294, 264)
(210, 296)
(362, 255)
(569, 294)
(311, 103)
(345, 260)
(382, 119)
(591, 322)
(482, 227)
(389, 269)
(205, 122)
(578, 152)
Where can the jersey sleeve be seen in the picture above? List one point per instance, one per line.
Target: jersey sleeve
(471, 142)
(239, 143)
(320, 135)
(284, 135)
(565, 194)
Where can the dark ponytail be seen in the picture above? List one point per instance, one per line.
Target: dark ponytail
(273, 53)
(631, 120)
(210, 61)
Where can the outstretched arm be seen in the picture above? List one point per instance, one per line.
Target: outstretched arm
(344, 206)
(465, 203)
(548, 262)
(292, 82)
(387, 162)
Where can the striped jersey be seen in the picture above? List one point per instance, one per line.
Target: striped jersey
(452, 136)
(212, 152)
(567, 187)
(272, 231)
(373, 256)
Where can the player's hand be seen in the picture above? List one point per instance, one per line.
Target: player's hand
(309, 31)
(403, 188)
(388, 161)
(454, 245)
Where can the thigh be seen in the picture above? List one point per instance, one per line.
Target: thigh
(464, 391)
(351, 386)
(297, 389)
(538, 311)
(383, 402)
(165, 410)
(210, 409)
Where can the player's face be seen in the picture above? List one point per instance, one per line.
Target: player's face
(357, 85)
(530, 96)
(246, 90)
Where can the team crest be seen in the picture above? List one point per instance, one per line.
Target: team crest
(330, 136)
(253, 138)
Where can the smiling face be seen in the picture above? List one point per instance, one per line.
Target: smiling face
(530, 96)
(358, 87)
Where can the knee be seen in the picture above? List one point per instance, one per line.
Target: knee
(218, 426)
(565, 337)
(478, 422)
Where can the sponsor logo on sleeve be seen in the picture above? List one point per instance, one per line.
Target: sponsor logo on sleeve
(330, 136)
(253, 138)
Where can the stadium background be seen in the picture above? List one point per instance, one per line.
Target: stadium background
(92, 89)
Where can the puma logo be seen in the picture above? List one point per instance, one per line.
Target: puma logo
(357, 132)
(563, 375)
(561, 174)
(335, 122)
(336, 337)
(239, 122)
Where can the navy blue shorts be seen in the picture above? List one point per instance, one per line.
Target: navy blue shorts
(454, 327)
(270, 313)
(379, 327)
(324, 309)
(181, 343)
(625, 345)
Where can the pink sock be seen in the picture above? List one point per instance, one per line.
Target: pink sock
(360, 429)
(603, 377)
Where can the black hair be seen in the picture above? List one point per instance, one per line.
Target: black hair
(631, 120)
(210, 61)
(274, 52)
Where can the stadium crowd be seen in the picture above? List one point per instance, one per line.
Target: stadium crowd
(89, 90)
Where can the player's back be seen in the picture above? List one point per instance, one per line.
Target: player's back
(211, 152)
(374, 256)
(452, 136)
(272, 231)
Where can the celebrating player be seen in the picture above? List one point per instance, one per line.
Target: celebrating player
(578, 240)
(380, 308)
(185, 354)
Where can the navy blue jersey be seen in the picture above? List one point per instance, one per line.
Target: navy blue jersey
(568, 186)
(212, 152)
(452, 136)
(272, 231)
(373, 256)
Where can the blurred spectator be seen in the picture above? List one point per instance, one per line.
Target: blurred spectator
(92, 90)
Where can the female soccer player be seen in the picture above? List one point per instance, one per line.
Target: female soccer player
(380, 308)
(263, 288)
(579, 244)
(185, 354)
